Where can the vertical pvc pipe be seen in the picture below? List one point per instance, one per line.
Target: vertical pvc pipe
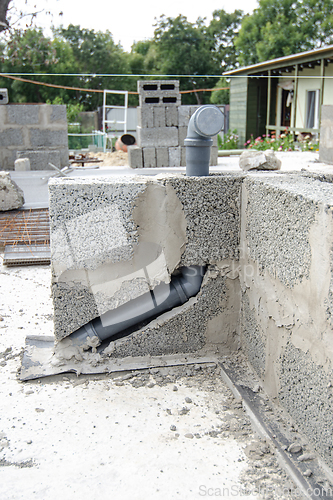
(206, 122)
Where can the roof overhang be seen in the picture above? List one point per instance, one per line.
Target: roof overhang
(311, 56)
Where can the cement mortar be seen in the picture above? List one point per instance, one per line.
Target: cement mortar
(253, 338)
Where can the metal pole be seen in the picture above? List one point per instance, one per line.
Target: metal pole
(269, 90)
(295, 95)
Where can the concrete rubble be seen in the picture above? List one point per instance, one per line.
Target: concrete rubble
(259, 160)
(11, 196)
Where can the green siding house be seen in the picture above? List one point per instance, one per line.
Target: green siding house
(286, 92)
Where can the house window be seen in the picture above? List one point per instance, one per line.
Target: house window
(312, 109)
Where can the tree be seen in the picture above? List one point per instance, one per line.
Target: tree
(182, 48)
(222, 30)
(4, 4)
(277, 29)
(96, 53)
(30, 51)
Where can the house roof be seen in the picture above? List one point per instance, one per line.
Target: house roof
(282, 62)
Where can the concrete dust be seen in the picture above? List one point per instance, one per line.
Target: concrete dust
(159, 433)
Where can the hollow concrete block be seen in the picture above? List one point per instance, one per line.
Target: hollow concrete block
(149, 157)
(157, 137)
(162, 157)
(135, 156)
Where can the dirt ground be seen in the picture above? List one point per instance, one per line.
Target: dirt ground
(115, 159)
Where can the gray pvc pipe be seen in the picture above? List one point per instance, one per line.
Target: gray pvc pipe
(163, 298)
(206, 122)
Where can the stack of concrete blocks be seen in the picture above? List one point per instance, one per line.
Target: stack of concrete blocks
(162, 127)
(326, 134)
(267, 241)
(34, 131)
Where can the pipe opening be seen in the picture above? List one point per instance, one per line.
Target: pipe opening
(128, 139)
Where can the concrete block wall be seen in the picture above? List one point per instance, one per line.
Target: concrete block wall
(34, 131)
(286, 275)
(267, 240)
(162, 127)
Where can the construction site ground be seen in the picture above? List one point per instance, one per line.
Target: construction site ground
(162, 433)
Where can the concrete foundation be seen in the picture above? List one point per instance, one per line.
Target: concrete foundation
(34, 131)
(267, 242)
(286, 276)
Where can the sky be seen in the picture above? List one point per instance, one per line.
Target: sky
(130, 20)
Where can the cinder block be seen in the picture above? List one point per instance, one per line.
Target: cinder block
(171, 116)
(213, 156)
(22, 164)
(182, 133)
(40, 159)
(23, 114)
(326, 135)
(11, 137)
(135, 156)
(58, 113)
(162, 157)
(193, 109)
(159, 116)
(157, 137)
(47, 138)
(183, 157)
(149, 157)
(174, 157)
(159, 93)
(145, 117)
(183, 115)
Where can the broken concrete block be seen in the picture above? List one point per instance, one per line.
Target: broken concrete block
(114, 239)
(22, 164)
(11, 196)
(259, 160)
